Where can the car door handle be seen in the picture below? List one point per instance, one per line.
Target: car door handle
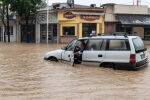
(100, 55)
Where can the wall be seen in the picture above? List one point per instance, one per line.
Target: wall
(13, 38)
(109, 14)
(110, 27)
(139, 31)
(129, 9)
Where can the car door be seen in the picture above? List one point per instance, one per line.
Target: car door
(117, 51)
(67, 54)
(95, 52)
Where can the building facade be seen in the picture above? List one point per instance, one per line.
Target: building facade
(41, 27)
(68, 23)
(127, 18)
(79, 22)
(13, 30)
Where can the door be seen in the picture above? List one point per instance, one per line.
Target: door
(94, 53)
(68, 54)
(28, 36)
(117, 51)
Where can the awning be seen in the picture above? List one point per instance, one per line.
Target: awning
(136, 20)
(87, 13)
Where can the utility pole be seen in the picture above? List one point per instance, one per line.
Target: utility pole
(47, 21)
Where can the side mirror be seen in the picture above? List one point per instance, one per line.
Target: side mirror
(64, 48)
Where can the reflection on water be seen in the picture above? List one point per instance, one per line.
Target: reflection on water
(24, 75)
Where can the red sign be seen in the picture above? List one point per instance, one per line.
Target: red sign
(90, 17)
(69, 15)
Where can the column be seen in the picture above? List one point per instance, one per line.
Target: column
(80, 30)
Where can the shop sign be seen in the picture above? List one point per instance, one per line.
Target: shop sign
(69, 15)
(90, 17)
(42, 18)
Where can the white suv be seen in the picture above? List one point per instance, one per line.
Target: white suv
(117, 51)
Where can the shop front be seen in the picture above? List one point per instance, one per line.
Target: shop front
(137, 24)
(41, 27)
(78, 23)
(28, 33)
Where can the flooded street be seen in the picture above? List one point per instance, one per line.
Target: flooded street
(24, 75)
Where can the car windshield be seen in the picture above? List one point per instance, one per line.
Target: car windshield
(138, 44)
(71, 45)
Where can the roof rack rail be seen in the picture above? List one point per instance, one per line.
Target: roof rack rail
(118, 34)
(114, 34)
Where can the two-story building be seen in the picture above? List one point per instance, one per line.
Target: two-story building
(67, 23)
(127, 18)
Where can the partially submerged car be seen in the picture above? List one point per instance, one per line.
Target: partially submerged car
(116, 51)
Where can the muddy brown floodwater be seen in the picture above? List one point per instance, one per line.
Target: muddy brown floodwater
(24, 75)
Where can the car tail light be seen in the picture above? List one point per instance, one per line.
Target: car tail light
(132, 58)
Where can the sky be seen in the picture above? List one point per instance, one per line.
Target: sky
(100, 2)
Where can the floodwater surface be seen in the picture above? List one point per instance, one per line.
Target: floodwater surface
(24, 75)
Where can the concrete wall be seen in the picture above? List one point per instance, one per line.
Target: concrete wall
(13, 38)
(110, 27)
(112, 10)
(109, 14)
(139, 31)
(129, 9)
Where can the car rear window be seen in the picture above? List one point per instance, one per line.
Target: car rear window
(138, 44)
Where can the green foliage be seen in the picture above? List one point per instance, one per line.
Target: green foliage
(25, 7)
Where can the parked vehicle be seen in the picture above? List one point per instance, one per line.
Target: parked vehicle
(117, 51)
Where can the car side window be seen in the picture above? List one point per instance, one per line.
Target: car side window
(94, 45)
(117, 45)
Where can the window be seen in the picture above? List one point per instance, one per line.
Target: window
(138, 44)
(117, 45)
(94, 45)
(71, 45)
(69, 30)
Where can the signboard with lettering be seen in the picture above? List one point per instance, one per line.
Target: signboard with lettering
(90, 17)
(69, 15)
(42, 18)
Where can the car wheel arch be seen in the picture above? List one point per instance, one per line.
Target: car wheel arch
(52, 58)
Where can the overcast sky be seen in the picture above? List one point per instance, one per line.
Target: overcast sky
(98, 2)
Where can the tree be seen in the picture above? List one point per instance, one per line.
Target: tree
(2, 17)
(25, 8)
(4, 13)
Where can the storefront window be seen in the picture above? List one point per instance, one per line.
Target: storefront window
(88, 28)
(68, 30)
(147, 33)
